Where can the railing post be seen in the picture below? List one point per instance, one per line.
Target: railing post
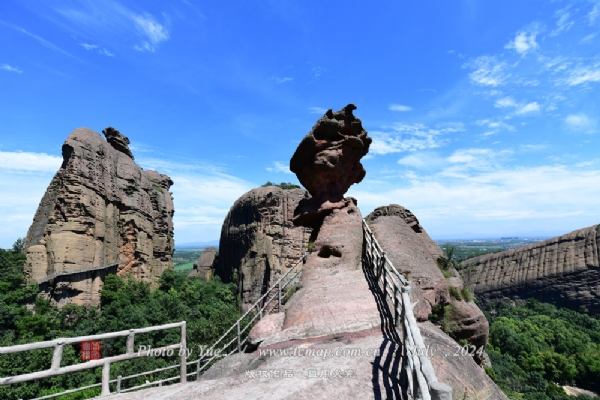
(397, 306)
(182, 355)
(105, 379)
(119, 383)
(197, 369)
(130, 341)
(279, 296)
(238, 337)
(57, 356)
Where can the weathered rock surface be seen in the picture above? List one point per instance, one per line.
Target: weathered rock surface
(100, 208)
(414, 253)
(259, 242)
(327, 163)
(468, 380)
(204, 267)
(563, 270)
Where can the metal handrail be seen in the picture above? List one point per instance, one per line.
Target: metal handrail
(422, 380)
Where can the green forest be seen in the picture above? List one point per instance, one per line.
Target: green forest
(209, 308)
(535, 348)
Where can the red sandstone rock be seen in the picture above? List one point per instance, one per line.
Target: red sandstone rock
(100, 208)
(327, 163)
(413, 253)
(205, 264)
(564, 270)
(259, 242)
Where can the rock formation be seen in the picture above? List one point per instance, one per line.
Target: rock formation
(338, 308)
(204, 267)
(327, 163)
(414, 254)
(100, 208)
(564, 270)
(259, 242)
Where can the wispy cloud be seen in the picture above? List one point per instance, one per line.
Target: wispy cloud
(41, 40)
(594, 13)
(581, 122)
(10, 68)
(488, 71)
(404, 137)
(317, 110)
(279, 167)
(279, 80)
(493, 199)
(528, 108)
(102, 51)
(581, 75)
(523, 43)
(564, 23)
(153, 32)
(399, 107)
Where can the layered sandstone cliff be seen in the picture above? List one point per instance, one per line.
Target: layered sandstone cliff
(564, 270)
(259, 242)
(100, 208)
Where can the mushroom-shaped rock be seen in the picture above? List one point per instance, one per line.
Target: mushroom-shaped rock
(327, 163)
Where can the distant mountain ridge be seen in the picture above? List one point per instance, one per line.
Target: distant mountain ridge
(564, 271)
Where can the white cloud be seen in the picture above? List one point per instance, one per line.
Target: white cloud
(102, 51)
(523, 42)
(88, 46)
(278, 80)
(488, 71)
(582, 75)
(594, 13)
(422, 160)
(10, 68)
(399, 107)
(279, 167)
(581, 122)
(26, 161)
(505, 102)
(19, 201)
(152, 31)
(564, 23)
(317, 110)
(588, 38)
(533, 147)
(106, 53)
(528, 108)
(202, 195)
(489, 201)
(405, 137)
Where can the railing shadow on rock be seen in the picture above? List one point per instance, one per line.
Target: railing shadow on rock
(271, 300)
(422, 382)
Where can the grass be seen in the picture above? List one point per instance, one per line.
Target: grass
(185, 267)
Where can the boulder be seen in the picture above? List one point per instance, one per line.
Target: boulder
(205, 264)
(259, 242)
(327, 163)
(100, 208)
(564, 270)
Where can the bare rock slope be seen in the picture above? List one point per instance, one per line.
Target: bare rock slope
(564, 270)
(100, 208)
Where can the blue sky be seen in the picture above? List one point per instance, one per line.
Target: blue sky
(485, 115)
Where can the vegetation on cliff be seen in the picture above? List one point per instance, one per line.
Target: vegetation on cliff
(282, 185)
(534, 346)
(209, 308)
